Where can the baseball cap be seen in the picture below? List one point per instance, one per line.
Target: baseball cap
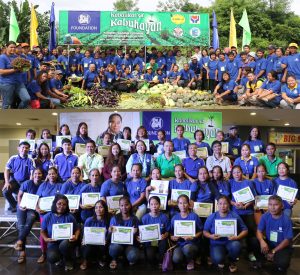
(58, 72)
(149, 67)
(194, 57)
(233, 127)
(293, 45)
(252, 54)
(23, 45)
(72, 50)
(271, 47)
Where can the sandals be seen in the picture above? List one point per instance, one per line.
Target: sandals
(113, 264)
(41, 259)
(21, 258)
(190, 265)
(18, 246)
(83, 266)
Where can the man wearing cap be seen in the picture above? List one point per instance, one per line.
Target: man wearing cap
(33, 62)
(150, 76)
(234, 141)
(72, 58)
(270, 58)
(152, 63)
(56, 89)
(292, 63)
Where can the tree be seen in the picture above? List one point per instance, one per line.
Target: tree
(126, 5)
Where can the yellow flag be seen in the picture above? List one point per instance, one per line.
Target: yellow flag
(33, 29)
(232, 33)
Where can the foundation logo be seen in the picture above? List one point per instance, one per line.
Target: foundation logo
(84, 19)
(156, 123)
(178, 32)
(195, 32)
(194, 19)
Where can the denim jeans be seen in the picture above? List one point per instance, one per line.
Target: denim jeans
(12, 91)
(218, 252)
(131, 252)
(7, 193)
(187, 252)
(26, 220)
(94, 251)
(61, 250)
(151, 251)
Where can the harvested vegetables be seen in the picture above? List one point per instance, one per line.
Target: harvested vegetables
(78, 98)
(21, 64)
(103, 97)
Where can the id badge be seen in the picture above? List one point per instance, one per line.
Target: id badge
(222, 69)
(256, 148)
(86, 65)
(235, 151)
(109, 80)
(273, 236)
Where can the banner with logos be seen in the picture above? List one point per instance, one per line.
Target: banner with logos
(133, 28)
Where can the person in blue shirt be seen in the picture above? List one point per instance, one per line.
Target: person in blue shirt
(283, 179)
(161, 76)
(278, 63)
(11, 80)
(186, 77)
(161, 137)
(118, 60)
(270, 58)
(66, 160)
(90, 78)
(180, 182)
(290, 94)
(252, 62)
(211, 69)
(149, 76)
(220, 185)
(57, 88)
(113, 186)
(99, 218)
(221, 246)
(127, 62)
(221, 66)
(244, 209)
(203, 73)
(254, 141)
(63, 60)
(261, 65)
(82, 136)
(274, 237)
(234, 141)
(110, 78)
(170, 61)
(17, 170)
(86, 61)
(224, 91)
(59, 250)
(127, 219)
(173, 75)
(247, 162)
(270, 91)
(192, 163)
(199, 137)
(161, 61)
(232, 67)
(180, 142)
(43, 159)
(291, 63)
(139, 60)
(156, 217)
(73, 59)
(79, 56)
(187, 246)
(26, 217)
(195, 65)
(136, 188)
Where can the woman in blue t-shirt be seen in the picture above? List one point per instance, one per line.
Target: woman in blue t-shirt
(156, 217)
(224, 91)
(220, 245)
(219, 183)
(100, 218)
(82, 136)
(199, 137)
(290, 94)
(127, 219)
(255, 142)
(59, 251)
(43, 159)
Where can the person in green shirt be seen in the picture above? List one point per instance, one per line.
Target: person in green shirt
(167, 161)
(152, 63)
(270, 161)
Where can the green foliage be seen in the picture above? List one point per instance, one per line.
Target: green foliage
(126, 5)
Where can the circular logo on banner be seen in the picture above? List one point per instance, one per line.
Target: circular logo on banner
(178, 19)
(84, 19)
(156, 123)
(178, 32)
(195, 32)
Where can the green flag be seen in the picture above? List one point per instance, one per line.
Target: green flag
(244, 23)
(14, 30)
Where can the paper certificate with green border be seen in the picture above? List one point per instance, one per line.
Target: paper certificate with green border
(60, 138)
(47, 141)
(244, 195)
(80, 149)
(89, 199)
(177, 192)
(122, 235)
(150, 232)
(225, 147)
(184, 228)
(163, 200)
(160, 186)
(113, 202)
(45, 203)
(202, 152)
(203, 209)
(31, 143)
(180, 154)
(62, 231)
(287, 193)
(73, 201)
(225, 227)
(262, 202)
(29, 201)
(124, 144)
(103, 150)
(94, 235)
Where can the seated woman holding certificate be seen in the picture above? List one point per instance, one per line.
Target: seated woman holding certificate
(73, 186)
(219, 183)
(94, 241)
(274, 237)
(61, 232)
(186, 230)
(179, 183)
(93, 187)
(286, 188)
(26, 213)
(141, 157)
(155, 249)
(242, 201)
(47, 190)
(225, 229)
(123, 231)
(136, 190)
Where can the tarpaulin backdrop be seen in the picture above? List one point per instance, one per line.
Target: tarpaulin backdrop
(133, 28)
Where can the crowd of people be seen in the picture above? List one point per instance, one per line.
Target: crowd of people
(265, 78)
(214, 179)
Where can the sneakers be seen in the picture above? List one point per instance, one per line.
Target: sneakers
(68, 266)
(251, 257)
(190, 265)
(233, 267)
